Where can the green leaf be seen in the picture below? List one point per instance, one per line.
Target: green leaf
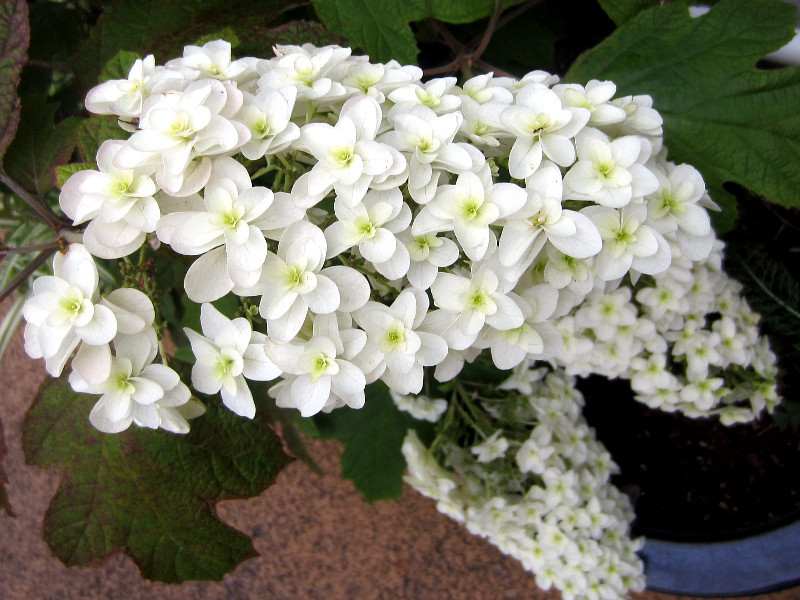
(621, 11)
(465, 11)
(163, 28)
(40, 145)
(148, 493)
(14, 38)
(731, 121)
(64, 172)
(119, 66)
(373, 436)
(92, 132)
(4, 503)
(380, 27)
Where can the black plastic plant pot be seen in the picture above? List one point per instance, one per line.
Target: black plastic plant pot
(762, 563)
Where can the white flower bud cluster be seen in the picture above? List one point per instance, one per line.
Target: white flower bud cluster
(558, 515)
(687, 341)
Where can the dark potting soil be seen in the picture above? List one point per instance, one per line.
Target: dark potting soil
(695, 479)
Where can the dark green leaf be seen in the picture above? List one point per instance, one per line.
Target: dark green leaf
(163, 28)
(4, 503)
(379, 27)
(92, 132)
(621, 11)
(149, 493)
(465, 11)
(373, 437)
(731, 121)
(64, 172)
(40, 145)
(119, 66)
(14, 38)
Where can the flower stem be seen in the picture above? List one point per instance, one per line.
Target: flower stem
(44, 211)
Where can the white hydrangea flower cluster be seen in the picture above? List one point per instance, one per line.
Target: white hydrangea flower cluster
(558, 514)
(387, 227)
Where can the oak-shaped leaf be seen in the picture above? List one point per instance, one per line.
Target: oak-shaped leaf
(730, 120)
(150, 494)
(14, 39)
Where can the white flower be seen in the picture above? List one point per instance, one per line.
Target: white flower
(212, 60)
(468, 208)
(428, 253)
(376, 80)
(371, 226)
(419, 406)
(396, 349)
(609, 173)
(320, 368)
(124, 97)
(307, 68)
(136, 390)
(475, 301)
(63, 311)
(595, 97)
(294, 282)
(229, 353)
(543, 126)
(426, 140)
(491, 448)
(118, 202)
(267, 115)
(542, 218)
(433, 94)
(348, 155)
(177, 127)
(627, 242)
(233, 249)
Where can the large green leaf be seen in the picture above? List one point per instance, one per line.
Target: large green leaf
(621, 11)
(14, 38)
(373, 437)
(40, 145)
(380, 27)
(163, 27)
(722, 115)
(149, 493)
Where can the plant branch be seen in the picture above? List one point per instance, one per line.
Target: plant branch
(20, 277)
(54, 244)
(44, 211)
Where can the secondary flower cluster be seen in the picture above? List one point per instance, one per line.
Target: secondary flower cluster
(539, 490)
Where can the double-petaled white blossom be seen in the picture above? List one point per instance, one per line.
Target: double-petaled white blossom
(348, 157)
(227, 353)
(63, 311)
(119, 203)
(232, 248)
(397, 349)
(295, 281)
(468, 208)
(320, 373)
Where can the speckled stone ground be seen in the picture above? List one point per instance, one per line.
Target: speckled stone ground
(316, 538)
